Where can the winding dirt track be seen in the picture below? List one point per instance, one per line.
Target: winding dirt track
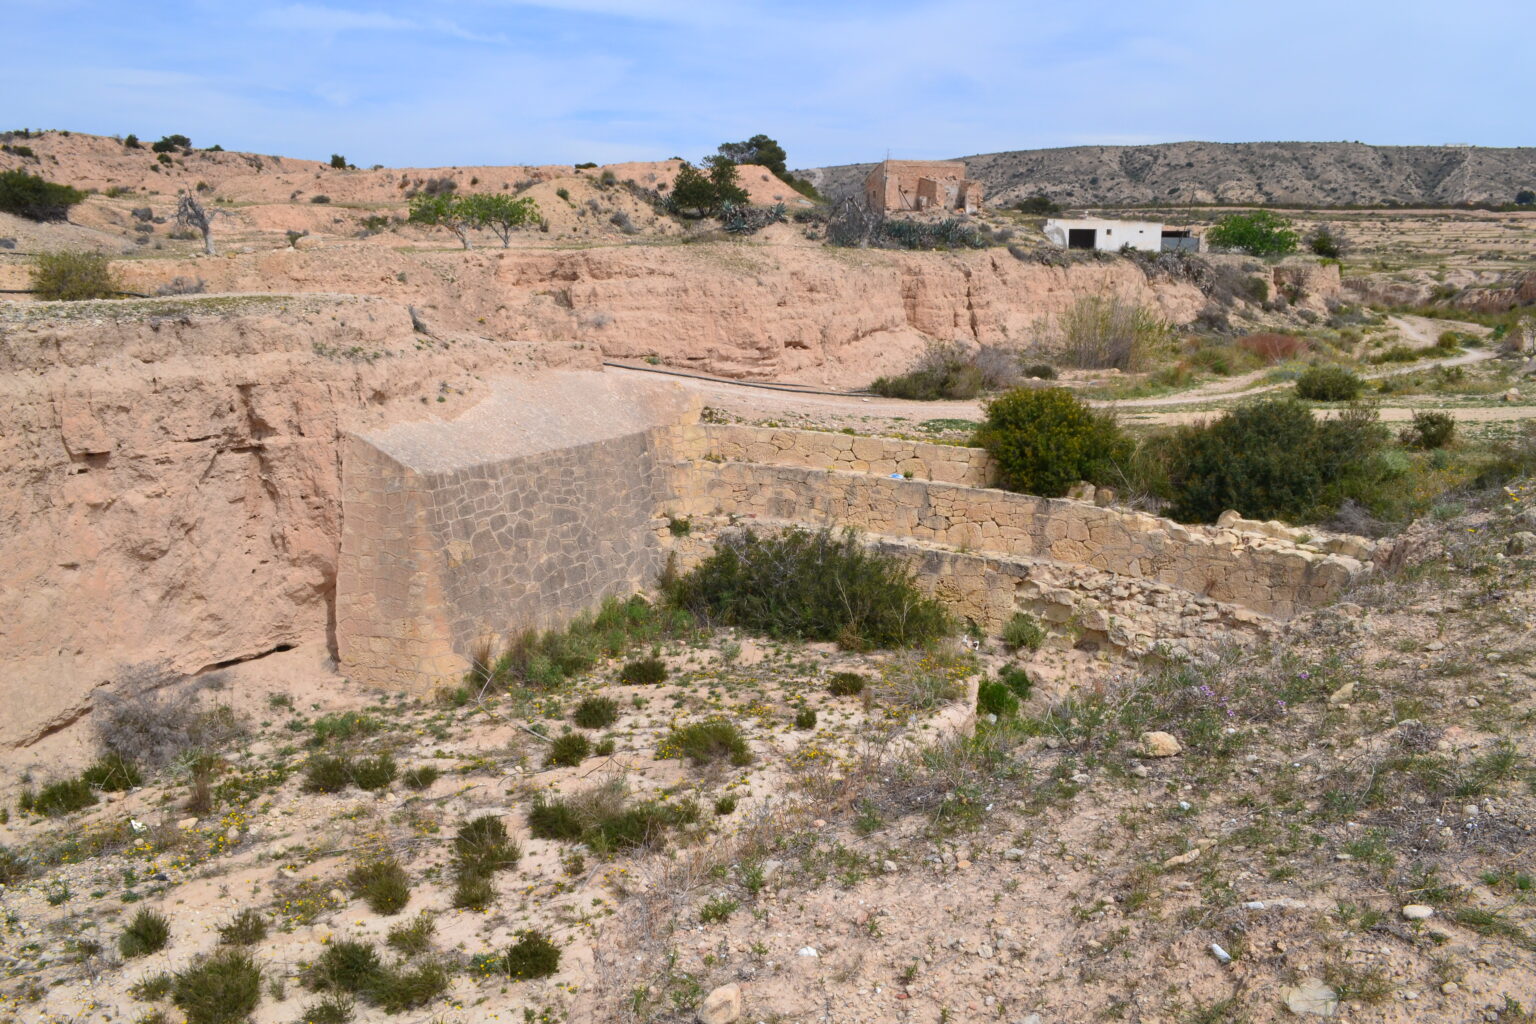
(765, 400)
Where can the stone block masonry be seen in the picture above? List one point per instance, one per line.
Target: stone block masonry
(552, 495)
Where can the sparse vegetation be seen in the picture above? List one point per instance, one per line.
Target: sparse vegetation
(712, 739)
(1101, 333)
(1023, 632)
(606, 819)
(246, 928)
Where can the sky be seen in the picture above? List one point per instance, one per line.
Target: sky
(464, 82)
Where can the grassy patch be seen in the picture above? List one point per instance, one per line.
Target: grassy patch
(707, 741)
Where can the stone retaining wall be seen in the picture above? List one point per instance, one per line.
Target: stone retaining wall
(922, 460)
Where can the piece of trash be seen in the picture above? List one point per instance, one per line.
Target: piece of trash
(1221, 955)
(139, 828)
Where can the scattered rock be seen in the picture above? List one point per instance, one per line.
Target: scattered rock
(1013, 853)
(1343, 694)
(1311, 995)
(1450, 988)
(1418, 912)
(809, 951)
(186, 824)
(1520, 543)
(722, 1006)
(1160, 744)
(1187, 857)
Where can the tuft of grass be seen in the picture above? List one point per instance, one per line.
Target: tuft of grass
(223, 988)
(13, 867)
(113, 773)
(805, 718)
(244, 929)
(532, 956)
(331, 1008)
(374, 773)
(725, 805)
(421, 776)
(59, 798)
(645, 671)
(407, 988)
(1023, 631)
(327, 774)
(414, 937)
(707, 741)
(153, 988)
(344, 726)
(382, 884)
(345, 966)
(473, 892)
(147, 933)
(568, 750)
(846, 684)
(606, 820)
(482, 846)
(596, 713)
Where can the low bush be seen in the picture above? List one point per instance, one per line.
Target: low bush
(331, 1008)
(706, 741)
(725, 805)
(717, 909)
(1274, 348)
(1271, 458)
(421, 777)
(72, 276)
(1045, 440)
(802, 586)
(374, 773)
(606, 820)
(246, 928)
(63, 797)
(567, 750)
(1328, 384)
(1024, 631)
(947, 370)
(153, 987)
(532, 956)
(546, 660)
(147, 933)
(596, 713)
(30, 196)
(1017, 680)
(407, 988)
(382, 884)
(993, 697)
(473, 892)
(1396, 354)
(1102, 333)
(345, 726)
(482, 847)
(1429, 430)
(645, 671)
(1040, 371)
(327, 774)
(805, 718)
(846, 684)
(149, 718)
(345, 965)
(224, 988)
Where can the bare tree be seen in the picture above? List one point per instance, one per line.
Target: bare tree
(192, 214)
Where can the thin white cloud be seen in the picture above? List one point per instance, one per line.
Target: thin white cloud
(309, 18)
(451, 28)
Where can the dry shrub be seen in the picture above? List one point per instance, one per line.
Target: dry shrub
(153, 716)
(1107, 332)
(1274, 348)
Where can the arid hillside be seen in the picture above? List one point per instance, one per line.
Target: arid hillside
(1308, 173)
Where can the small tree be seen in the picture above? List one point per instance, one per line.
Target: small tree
(726, 182)
(1261, 233)
(1525, 197)
(759, 149)
(171, 143)
(1324, 241)
(338, 161)
(131, 141)
(500, 213)
(692, 190)
(444, 211)
(192, 214)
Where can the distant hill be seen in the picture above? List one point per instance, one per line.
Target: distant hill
(1306, 173)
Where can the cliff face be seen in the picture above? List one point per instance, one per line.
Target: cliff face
(169, 490)
(831, 316)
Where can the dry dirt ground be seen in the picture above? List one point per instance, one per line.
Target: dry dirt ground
(895, 861)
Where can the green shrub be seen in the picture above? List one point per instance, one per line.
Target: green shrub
(596, 713)
(13, 866)
(1397, 354)
(72, 276)
(805, 718)
(153, 988)
(993, 697)
(708, 740)
(374, 773)
(338, 162)
(1017, 680)
(345, 726)
(223, 988)
(811, 586)
(1271, 458)
(28, 195)
(846, 684)
(331, 1008)
(382, 884)
(421, 776)
(1045, 440)
(545, 660)
(406, 988)
(345, 965)
(553, 818)
(1023, 631)
(147, 933)
(1328, 384)
(1429, 430)
(482, 847)
(568, 750)
(532, 956)
(604, 748)
(718, 908)
(246, 928)
(606, 820)
(112, 774)
(1260, 233)
(327, 774)
(473, 892)
(645, 671)
(725, 805)
(413, 938)
(63, 797)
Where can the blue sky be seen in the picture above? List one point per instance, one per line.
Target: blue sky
(443, 82)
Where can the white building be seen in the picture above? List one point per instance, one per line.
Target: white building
(1114, 235)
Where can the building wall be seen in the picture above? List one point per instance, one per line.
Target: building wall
(1110, 235)
(897, 184)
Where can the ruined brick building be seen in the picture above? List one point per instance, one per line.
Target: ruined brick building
(921, 185)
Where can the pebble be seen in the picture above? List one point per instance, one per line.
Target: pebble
(1013, 853)
(809, 951)
(1418, 912)
(1160, 744)
(1450, 988)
